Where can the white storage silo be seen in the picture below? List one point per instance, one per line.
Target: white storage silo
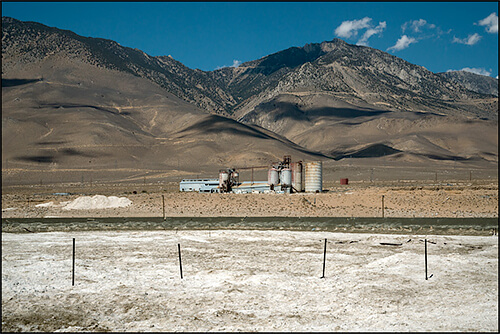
(273, 177)
(313, 176)
(297, 176)
(223, 177)
(286, 177)
(236, 177)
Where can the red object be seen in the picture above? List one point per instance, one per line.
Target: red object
(344, 181)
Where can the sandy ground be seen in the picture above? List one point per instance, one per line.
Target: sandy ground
(248, 281)
(445, 200)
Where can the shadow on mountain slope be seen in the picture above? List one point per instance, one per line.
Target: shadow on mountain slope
(291, 58)
(217, 124)
(214, 124)
(68, 106)
(55, 158)
(372, 151)
(292, 111)
(446, 157)
(379, 150)
(280, 110)
(345, 112)
(17, 82)
(47, 159)
(48, 143)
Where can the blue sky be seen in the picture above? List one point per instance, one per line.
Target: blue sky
(440, 36)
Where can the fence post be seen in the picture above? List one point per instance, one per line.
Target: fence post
(324, 261)
(73, 275)
(382, 206)
(426, 260)
(163, 200)
(180, 261)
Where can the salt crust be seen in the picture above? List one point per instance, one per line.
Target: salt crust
(97, 202)
(248, 280)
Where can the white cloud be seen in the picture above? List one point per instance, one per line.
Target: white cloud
(414, 25)
(417, 25)
(481, 71)
(470, 40)
(491, 23)
(350, 28)
(403, 43)
(236, 63)
(370, 32)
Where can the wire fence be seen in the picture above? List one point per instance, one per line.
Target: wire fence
(168, 180)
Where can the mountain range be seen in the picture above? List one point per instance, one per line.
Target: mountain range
(71, 103)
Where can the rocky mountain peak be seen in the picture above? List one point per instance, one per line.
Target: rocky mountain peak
(475, 82)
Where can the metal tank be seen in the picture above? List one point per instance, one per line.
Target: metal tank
(223, 177)
(273, 177)
(236, 177)
(286, 177)
(297, 176)
(313, 176)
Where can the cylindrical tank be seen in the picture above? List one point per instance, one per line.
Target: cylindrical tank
(236, 177)
(297, 176)
(273, 176)
(286, 177)
(314, 176)
(223, 177)
(344, 181)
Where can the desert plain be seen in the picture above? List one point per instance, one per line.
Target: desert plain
(458, 200)
(418, 192)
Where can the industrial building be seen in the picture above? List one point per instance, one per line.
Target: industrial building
(200, 185)
(252, 187)
(283, 177)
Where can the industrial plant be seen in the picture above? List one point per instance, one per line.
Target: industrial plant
(283, 177)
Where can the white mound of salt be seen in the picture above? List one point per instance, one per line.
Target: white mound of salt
(97, 202)
(44, 205)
